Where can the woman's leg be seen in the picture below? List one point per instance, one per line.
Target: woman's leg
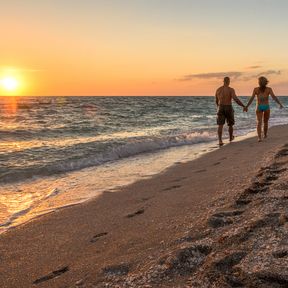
(266, 119)
(259, 116)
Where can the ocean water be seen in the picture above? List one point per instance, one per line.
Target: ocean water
(54, 147)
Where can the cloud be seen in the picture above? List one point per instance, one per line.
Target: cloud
(254, 67)
(234, 75)
(13, 70)
(269, 72)
(215, 75)
(264, 73)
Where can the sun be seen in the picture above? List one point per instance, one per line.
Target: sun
(10, 84)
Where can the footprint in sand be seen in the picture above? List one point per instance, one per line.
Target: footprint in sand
(269, 175)
(242, 201)
(185, 260)
(282, 153)
(272, 279)
(97, 236)
(223, 218)
(171, 188)
(200, 171)
(145, 199)
(229, 261)
(138, 212)
(280, 254)
(51, 275)
(179, 179)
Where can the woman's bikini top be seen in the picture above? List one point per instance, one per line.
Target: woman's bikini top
(262, 97)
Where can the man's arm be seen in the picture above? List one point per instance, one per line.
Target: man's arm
(275, 98)
(236, 99)
(216, 98)
(251, 98)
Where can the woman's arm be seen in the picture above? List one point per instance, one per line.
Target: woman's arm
(251, 98)
(275, 98)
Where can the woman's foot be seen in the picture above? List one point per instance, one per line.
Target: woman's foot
(232, 138)
(221, 143)
(259, 140)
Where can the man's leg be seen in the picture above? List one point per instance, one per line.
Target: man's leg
(231, 136)
(266, 119)
(230, 122)
(220, 123)
(220, 132)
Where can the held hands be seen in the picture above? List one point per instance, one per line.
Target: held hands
(245, 109)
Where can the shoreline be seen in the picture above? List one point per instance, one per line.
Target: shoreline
(55, 185)
(88, 242)
(40, 207)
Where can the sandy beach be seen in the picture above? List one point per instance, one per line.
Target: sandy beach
(217, 221)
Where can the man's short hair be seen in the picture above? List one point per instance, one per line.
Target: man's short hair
(226, 79)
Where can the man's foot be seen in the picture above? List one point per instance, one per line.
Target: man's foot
(259, 140)
(232, 138)
(221, 143)
(265, 136)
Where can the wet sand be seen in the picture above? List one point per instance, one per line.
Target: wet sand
(165, 231)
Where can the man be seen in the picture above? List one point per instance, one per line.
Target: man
(225, 112)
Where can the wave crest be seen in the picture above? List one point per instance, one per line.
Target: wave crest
(133, 147)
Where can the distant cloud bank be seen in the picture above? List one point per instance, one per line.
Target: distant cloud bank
(239, 75)
(254, 67)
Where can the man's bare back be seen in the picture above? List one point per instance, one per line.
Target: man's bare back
(225, 95)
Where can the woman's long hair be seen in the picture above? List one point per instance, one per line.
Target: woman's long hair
(263, 83)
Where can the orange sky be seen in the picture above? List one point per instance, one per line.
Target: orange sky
(159, 47)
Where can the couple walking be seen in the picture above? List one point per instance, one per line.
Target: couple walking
(225, 112)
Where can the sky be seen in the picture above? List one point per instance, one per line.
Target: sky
(142, 47)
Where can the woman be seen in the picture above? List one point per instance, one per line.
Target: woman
(262, 108)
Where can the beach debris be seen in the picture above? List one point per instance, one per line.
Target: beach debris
(80, 283)
(53, 192)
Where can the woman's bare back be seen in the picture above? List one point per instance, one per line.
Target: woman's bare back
(262, 97)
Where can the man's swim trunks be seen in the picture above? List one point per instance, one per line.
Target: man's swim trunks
(225, 113)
